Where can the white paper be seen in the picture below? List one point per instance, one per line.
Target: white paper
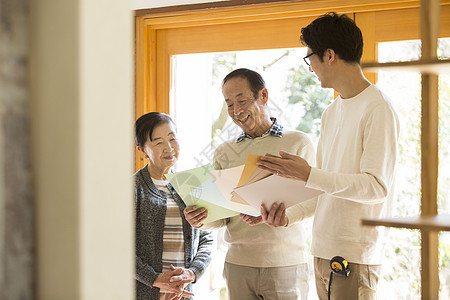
(226, 180)
(276, 189)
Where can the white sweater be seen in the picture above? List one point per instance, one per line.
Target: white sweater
(356, 159)
(262, 245)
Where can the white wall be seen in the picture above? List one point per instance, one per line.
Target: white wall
(82, 148)
(142, 4)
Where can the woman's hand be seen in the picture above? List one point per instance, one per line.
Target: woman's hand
(186, 275)
(195, 216)
(185, 294)
(184, 278)
(174, 281)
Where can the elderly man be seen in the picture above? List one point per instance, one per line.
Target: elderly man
(262, 262)
(356, 159)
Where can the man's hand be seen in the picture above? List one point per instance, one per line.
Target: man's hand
(251, 220)
(195, 216)
(288, 166)
(276, 217)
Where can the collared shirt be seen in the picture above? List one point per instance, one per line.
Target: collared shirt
(276, 130)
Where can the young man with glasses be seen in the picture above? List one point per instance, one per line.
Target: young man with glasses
(356, 160)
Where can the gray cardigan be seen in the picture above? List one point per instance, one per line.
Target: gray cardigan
(151, 207)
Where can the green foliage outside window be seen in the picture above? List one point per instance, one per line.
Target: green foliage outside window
(303, 89)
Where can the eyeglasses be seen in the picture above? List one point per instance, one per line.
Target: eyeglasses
(306, 58)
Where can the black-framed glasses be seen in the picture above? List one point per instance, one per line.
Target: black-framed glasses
(306, 58)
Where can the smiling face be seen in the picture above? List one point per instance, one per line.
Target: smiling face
(246, 111)
(161, 150)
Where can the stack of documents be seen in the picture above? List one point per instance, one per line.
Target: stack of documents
(226, 193)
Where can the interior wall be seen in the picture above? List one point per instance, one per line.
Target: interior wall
(81, 74)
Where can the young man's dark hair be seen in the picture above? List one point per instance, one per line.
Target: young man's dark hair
(146, 123)
(337, 32)
(254, 79)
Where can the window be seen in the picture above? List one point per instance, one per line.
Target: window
(403, 247)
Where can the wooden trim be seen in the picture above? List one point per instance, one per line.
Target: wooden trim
(366, 22)
(429, 33)
(253, 35)
(142, 78)
(434, 66)
(273, 11)
(151, 69)
(429, 27)
(163, 69)
(429, 143)
(403, 25)
(140, 56)
(427, 223)
(429, 265)
(202, 6)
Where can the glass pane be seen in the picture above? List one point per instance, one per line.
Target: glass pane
(444, 171)
(404, 90)
(444, 143)
(197, 105)
(444, 265)
(402, 263)
(401, 267)
(444, 132)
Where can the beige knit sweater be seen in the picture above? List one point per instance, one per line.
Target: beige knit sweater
(262, 245)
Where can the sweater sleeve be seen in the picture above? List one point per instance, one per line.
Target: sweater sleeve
(145, 273)
(203, 257)
(301, 211)
(215, 225)
(377, 163)
(306, 208)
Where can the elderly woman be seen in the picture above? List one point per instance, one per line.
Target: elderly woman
(170, 253)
